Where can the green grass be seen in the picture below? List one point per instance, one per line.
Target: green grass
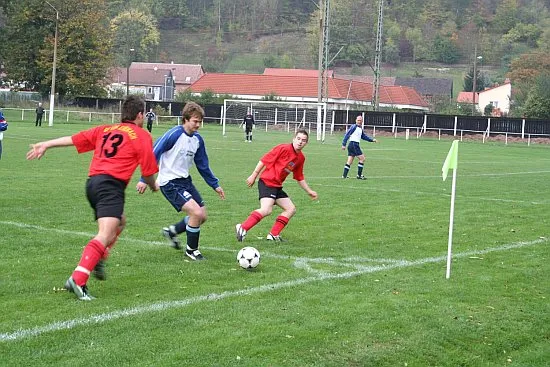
(360, 282)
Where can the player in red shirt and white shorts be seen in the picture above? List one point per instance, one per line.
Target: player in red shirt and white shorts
(118, 150)
(277, 164)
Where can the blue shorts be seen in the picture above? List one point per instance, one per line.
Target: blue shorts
(354, 149)
(179, 191)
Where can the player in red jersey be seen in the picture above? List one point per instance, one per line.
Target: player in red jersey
(118, 150)
(279, 162)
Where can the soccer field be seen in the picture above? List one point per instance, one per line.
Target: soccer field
(360, 282)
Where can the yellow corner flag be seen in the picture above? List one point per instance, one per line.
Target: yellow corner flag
(451, 160)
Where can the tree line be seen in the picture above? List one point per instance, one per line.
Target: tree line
(95, 35)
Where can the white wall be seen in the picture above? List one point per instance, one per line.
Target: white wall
(501, 95)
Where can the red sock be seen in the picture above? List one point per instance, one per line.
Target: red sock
(279, 225)
(90, 256)
(253, 219)
(107, 252)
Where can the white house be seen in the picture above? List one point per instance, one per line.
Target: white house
(499, 96)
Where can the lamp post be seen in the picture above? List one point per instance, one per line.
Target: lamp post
(474, 82)
(128, 72)
(52, 91)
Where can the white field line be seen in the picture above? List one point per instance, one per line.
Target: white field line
(300, 262)
(361, 187)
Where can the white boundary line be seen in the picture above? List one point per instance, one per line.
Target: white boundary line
(300, 262)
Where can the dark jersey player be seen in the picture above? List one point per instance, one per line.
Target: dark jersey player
(273, 168)
(248, 124)
(354, 135)
(117, 151)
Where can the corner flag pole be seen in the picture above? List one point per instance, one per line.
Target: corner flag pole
(451, 162)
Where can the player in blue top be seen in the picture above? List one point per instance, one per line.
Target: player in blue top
(354, 135)
(177, 151)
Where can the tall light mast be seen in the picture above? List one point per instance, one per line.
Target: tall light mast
(378, 56)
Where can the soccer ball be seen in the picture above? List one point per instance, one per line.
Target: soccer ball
(248, 257)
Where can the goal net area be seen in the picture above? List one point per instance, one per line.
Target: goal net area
(275, 115)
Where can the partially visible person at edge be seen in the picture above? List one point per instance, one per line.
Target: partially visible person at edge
(273, 168)
(39, 113)
(248, 125)
(354, 134)
(3, 127)
(176, 152)
(117, 151)
(150, 116)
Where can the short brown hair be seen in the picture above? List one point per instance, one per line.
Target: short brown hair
(302, 131)
(192, 109)
(132, 105)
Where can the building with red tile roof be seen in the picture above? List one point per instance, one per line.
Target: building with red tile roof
(298, 88)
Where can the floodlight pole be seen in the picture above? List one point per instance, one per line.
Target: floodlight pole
(52, 91)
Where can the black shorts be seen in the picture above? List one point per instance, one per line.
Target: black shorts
(354, 150)
(106, 196)
(270, 192)
(248, 128)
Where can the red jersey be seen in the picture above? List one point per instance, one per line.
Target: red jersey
(118, 150)
(279, 162)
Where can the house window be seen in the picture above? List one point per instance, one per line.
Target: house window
(494, 103)
(188, 79)
(149, 90)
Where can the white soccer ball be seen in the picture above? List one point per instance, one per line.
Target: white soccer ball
(248, 257)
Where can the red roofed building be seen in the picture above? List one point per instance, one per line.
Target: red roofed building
(297, 88)
(295, 72)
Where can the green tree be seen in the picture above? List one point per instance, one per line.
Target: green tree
(538, 101)
(134, 30)
(82, 47)
(506, 16)
(468, 81)
(445, 50)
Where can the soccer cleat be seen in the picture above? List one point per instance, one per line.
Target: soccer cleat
(99, 270)
(80, 292)
(241, 232)
(194, 255)
(277, 238)
(361, 177)
(344, 177)
(173, 238)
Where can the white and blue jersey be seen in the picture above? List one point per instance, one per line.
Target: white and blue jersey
(176, 152)
(354, 135)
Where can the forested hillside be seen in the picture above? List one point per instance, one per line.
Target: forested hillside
(248, 35)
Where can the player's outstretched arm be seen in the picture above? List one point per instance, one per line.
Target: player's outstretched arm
(303, 184)
(252, 178)
(220, 192)
(151, 182)
(39, 149)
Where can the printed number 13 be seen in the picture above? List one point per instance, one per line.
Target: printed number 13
(110, 144)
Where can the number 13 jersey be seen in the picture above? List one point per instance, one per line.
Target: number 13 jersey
(118, 150)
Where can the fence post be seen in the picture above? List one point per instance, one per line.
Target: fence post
(523, 128)
(22, 114)
(454, 131)
(68, 116)
(488, 126)
(90, 117)
(393, 124)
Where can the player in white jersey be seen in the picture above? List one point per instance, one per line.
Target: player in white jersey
(177, 151)
(354, 135)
